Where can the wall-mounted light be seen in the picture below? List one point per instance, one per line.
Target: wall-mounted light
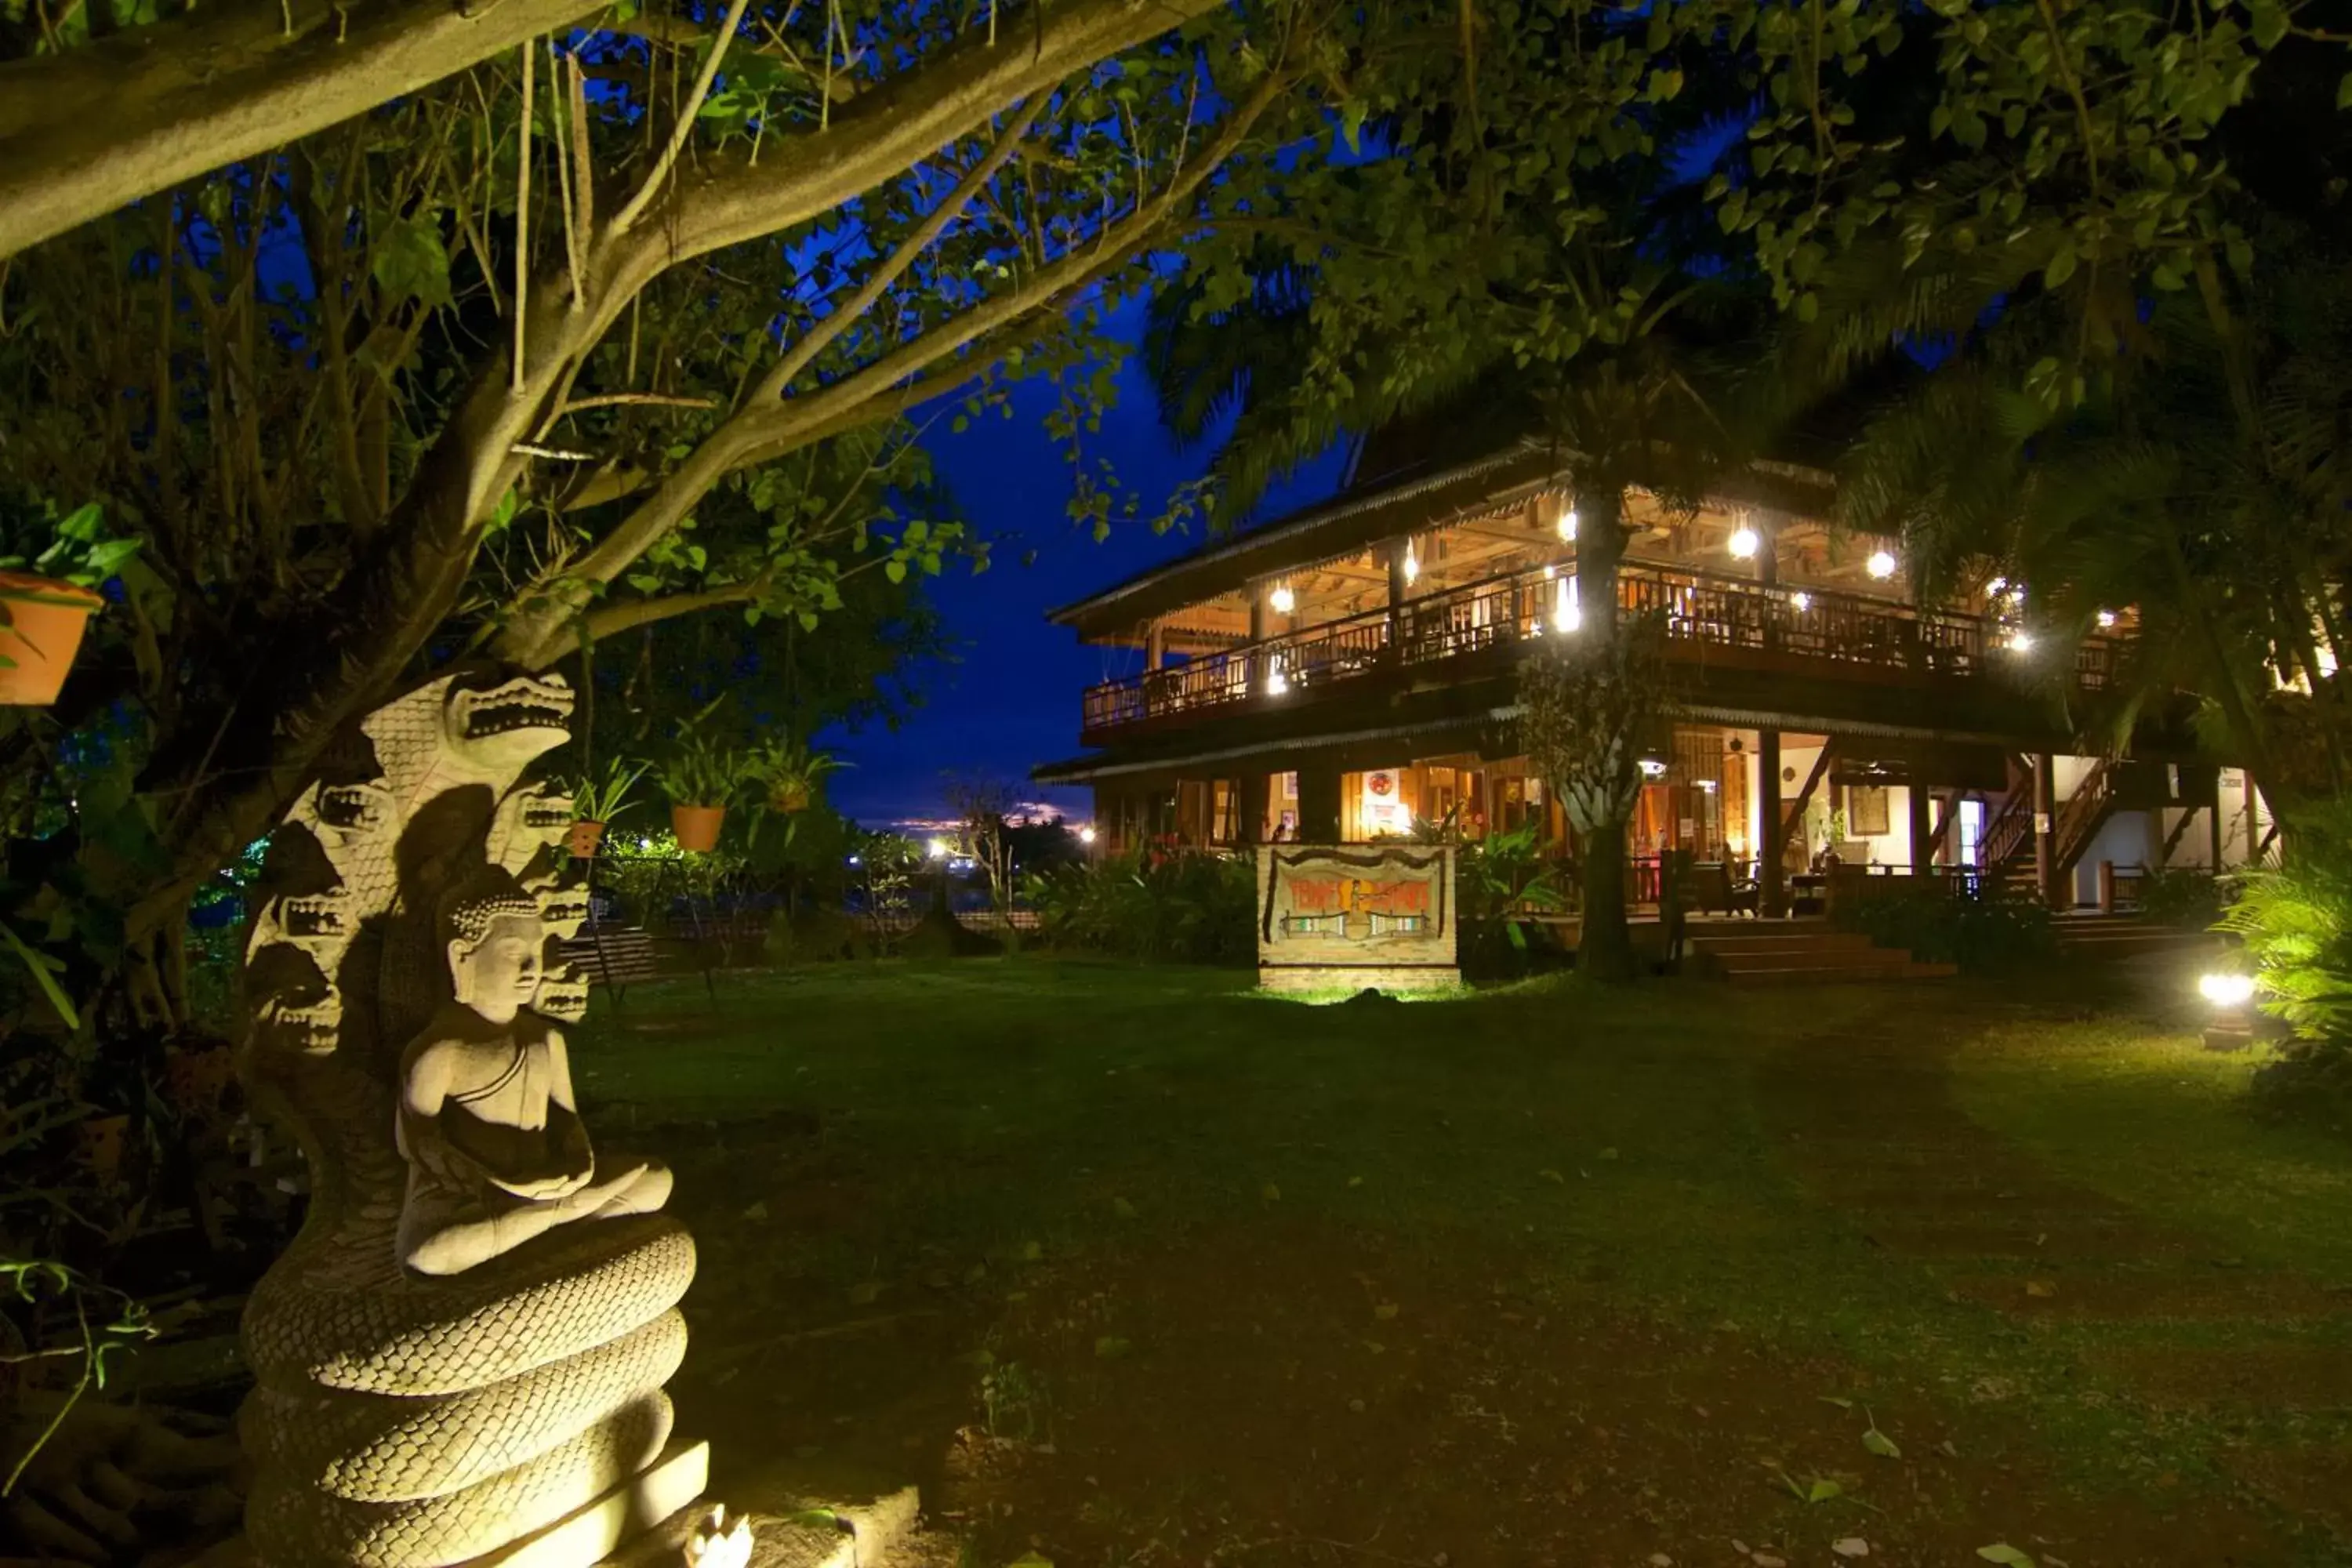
(1800, 601)
(1881, 565)
(1411, 565)
(1568, 526)
(1744, 542)
(1707, 786)
(2106, 619)
(1653, 769)
(1283, 600)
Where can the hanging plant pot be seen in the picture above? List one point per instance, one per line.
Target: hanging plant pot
(41, 625)
(696, 826)
(585, 835)
(786, 799)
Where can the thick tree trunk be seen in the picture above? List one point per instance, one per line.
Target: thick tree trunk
(1604, 948)
(94, 129)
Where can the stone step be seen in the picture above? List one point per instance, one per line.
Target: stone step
(1783, 941)
(1840, 972)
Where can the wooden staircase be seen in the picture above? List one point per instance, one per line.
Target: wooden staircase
(2101, 937)
(1804, 956)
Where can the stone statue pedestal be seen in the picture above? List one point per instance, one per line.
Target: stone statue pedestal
(631, 1510)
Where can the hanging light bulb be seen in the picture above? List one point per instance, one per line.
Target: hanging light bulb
(1743, 541)
(1568, 526)
(1411, 565)
(1283, 600)
(1881, 565)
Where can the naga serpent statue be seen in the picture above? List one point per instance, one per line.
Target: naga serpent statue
(460, 1358)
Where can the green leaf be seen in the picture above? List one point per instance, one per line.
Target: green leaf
(2003, 1553)
(2343, 93)
(412, 264)
(894, 570)
(1880, 1444)
(1823, 1489)
(2061, 268)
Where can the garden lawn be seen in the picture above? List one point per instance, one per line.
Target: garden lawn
(1130, 1266)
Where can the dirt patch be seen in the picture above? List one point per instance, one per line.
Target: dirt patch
(1331, 1400)
(2294, 1378)
(2071, 1296)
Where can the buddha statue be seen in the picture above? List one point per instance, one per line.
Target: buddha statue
(488, 1125)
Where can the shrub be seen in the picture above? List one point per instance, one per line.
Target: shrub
(1980, 935)
(2189, 900)
(1179, 906)
(2296, 921)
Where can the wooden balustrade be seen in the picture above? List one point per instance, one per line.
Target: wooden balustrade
(1703, 613)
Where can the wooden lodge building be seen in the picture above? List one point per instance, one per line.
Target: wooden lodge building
(1349, 671)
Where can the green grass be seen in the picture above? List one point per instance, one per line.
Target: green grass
(1629, 1151)
(2157, 1121)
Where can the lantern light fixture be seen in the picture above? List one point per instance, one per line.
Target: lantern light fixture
(1881, 565)
(1744, 542)
(1568, 526)
(2226, 988)
(1283, 600)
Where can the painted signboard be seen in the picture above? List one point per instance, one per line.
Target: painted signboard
(1333, 916)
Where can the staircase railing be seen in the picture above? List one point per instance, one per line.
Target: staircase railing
(2084, 813)
(2011, 829)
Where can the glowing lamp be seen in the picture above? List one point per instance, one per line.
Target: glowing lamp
(1568, 526)
(1653, 769)
(1276, 683)
(1881, 565)
(936, 850)
(1283, 600)
(2020, 641)
(1993, 588)
(1567, 614)
(2226, 989)
(1086, 834)
(1744, 542)
(2106, 619)
(1800, 601)
(1412, 567)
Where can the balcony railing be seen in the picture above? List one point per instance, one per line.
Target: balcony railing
(1704, 615)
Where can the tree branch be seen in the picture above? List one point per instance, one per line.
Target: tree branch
(92, 130)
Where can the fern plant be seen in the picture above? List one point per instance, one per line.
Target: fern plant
(2297, 921)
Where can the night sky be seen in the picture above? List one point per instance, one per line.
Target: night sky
(1011, 702)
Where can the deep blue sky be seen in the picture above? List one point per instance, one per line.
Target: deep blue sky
(1010, 700)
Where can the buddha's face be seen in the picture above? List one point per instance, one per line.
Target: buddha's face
(497, 975)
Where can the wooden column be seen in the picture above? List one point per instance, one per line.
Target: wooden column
(1398, 589)
(2213, 833)
(1155, 646)
(1318, 805)
(1923, 827)
(2045, 828)
(1771, 881)
(1253, 675)
(1250, 810)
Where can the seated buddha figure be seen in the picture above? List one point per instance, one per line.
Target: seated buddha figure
(496, 1151)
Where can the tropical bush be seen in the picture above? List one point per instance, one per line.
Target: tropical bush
(2189, 899)
(1980, 935)
(1175, 906)
(2296, 922)
(1500, 880)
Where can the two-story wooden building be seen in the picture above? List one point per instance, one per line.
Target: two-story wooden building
(1350, 670)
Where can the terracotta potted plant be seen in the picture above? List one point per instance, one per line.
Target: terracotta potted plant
(700, 777)
(47, 600)
(595, 802)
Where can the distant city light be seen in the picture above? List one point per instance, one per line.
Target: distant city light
(1283, 600)
(1744, 541)
(1881, 565)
